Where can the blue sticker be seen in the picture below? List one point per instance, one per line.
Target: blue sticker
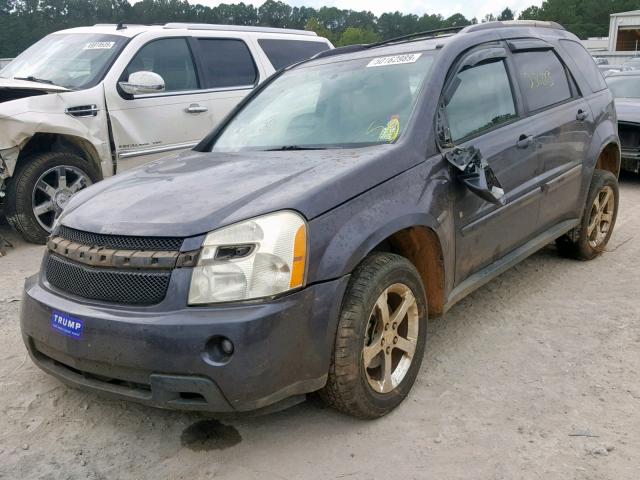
(67, 325)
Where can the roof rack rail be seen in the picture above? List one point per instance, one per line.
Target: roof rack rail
(513, 24)
(429, 34)
(341, 50)
(418, 36)
(237, 28)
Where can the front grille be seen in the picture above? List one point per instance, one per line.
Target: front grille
(629, 135)
(121, 242)
(131, 287)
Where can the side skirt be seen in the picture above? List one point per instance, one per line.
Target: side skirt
(490, 272)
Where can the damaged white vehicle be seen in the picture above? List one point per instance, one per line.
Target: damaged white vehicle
(83, 104)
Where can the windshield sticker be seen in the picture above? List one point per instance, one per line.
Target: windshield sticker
(99, 46)
(391, 132)
(395, 60)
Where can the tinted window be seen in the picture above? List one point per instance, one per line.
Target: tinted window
(482, 100)
(586, 63)
(543, 79)
(171, 59)
(227, 63)
(282, 53)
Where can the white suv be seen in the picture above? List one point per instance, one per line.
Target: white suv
(86, 103)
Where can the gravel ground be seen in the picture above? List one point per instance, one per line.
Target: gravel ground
(536, 375)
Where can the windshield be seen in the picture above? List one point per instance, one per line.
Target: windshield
(342, 104)
(625, 87)
(74, 60)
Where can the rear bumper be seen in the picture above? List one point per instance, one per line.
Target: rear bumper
(163, 359)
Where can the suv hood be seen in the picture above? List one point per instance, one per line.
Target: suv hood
(11, 89)
(194, 193)
(628, 109)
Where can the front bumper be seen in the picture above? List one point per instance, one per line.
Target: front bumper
(282, 348)
(630, 160)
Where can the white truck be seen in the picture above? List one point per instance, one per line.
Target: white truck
(86, 103)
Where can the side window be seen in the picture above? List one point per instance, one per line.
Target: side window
(543, 79)
(282, 53)
(482, 100)
(587, 65)
(227, 63)
(171, 59)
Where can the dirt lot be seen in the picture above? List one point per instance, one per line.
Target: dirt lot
(536, 375)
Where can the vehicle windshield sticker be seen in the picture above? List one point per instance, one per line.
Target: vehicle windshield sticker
(99, 45)
(391, 132)
(66, 324)
(395, 60)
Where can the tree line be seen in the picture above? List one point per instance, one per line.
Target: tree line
(23, 22)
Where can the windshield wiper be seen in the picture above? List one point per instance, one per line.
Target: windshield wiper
(31, 78)
(287, 148)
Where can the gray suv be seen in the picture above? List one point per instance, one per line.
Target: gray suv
(302, 246)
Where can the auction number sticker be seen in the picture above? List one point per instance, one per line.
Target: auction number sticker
(394, 60)
(99, 45)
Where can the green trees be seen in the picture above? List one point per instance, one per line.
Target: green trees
(22, 22)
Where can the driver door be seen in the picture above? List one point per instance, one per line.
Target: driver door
(146, 127)
(484, 112)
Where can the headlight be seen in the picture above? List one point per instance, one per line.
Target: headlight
(261, 257)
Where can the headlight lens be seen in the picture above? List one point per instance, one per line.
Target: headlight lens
(261, 257)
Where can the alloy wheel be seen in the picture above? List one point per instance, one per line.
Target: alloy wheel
(391, 338)
(601, 216)
(53, 190)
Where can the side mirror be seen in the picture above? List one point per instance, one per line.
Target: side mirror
(141, 83)
(476, 174)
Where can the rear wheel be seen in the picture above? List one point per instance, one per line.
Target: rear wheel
(380, 340)
(589, 239)
(41, 188)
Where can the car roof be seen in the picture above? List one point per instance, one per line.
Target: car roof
(628, 73)
(132, 30)
(468, 36)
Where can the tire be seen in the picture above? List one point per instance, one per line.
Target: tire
(19, 207)
(586, 242)
(349, 386)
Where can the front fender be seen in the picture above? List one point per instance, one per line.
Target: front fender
(342, 237)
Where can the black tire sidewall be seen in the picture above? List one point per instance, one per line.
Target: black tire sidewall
(601, 178)
(19, 204)
(368, 402)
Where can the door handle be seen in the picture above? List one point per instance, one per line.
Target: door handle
(581, 116)
(524, 141)
(195, 108)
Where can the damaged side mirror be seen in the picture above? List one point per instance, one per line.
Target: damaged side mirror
(476, 174)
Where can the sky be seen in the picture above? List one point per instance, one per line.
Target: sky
(469, 8)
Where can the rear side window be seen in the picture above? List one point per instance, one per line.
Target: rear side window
(482, 100)
(543, 79)
(586, 63)
(227, 63)
(282, 53)
(171, 59)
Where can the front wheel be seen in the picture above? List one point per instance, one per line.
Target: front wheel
(589, 239)
(380, 340)
(40, 189)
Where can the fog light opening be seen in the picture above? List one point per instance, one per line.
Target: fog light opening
(218, 350)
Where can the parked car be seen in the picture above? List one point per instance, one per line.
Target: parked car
(633, 64)
(305, 242)
(84, 104)
(625, 87)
